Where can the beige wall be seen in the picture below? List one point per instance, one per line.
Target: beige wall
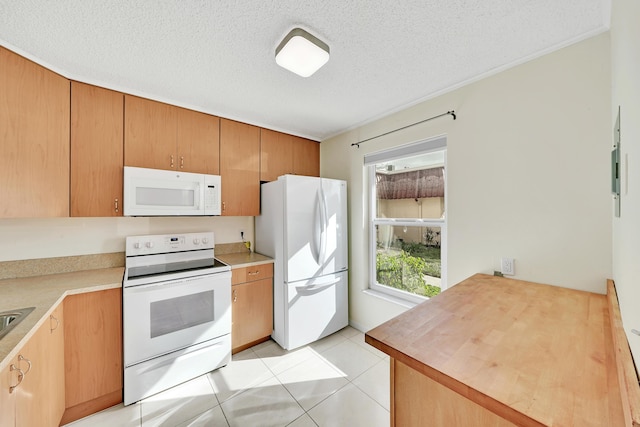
(527, 171)
(56, 237)
(625, 62)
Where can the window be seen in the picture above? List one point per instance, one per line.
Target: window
(408, 225)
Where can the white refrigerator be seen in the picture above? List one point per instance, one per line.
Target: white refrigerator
(303, 226)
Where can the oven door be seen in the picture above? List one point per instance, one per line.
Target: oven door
(167, 316)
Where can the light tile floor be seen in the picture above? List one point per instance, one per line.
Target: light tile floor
(337, 381)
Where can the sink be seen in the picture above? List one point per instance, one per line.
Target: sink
(10, 318)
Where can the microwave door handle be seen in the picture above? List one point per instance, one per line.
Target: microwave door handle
(197, 192)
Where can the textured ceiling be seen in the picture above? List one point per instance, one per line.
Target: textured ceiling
(218, 56)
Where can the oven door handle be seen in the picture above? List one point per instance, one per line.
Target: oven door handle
(166, 285)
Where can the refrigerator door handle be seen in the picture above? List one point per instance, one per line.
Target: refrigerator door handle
(323, 228)
(317, 287)
(317, 230)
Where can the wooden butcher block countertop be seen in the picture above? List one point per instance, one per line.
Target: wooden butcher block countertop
(536, 355)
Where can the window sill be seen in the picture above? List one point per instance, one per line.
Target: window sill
(398, 301)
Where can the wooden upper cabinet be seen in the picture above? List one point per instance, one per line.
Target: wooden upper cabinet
(306, 157)
(34, 136)
(149, 133)
(240, 168)
(163, 136)
(276, 154)
(96, 151)
(198, 142)
(281, 154)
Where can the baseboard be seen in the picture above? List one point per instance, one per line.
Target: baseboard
(91, 407)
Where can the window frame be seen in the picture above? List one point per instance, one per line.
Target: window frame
(421, 147)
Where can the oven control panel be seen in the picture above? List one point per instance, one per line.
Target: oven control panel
(166, 243)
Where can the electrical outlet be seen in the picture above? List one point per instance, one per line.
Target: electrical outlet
(507, 266)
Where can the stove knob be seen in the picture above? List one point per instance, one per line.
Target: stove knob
(149, 245)
(137, 245)
(197, 241)
(205, 240)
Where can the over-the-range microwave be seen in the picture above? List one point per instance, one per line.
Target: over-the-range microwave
(155, 192)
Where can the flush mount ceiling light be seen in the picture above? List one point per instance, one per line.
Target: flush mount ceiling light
(302, 53)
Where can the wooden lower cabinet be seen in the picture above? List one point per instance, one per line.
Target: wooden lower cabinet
(417, 400)
(93, 352)
(72, 365)
(56, 391)
(38, 398)
(7, 399)
(252, 306)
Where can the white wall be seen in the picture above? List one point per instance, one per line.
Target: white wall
(527, 170)
(625, 61)
(56, 237)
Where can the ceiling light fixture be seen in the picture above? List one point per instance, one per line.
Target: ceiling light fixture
(302, 53)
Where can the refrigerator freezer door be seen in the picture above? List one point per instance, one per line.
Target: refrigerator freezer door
(317, 308)
(315, 231)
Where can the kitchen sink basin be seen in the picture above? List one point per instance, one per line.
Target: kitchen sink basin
(10, 318)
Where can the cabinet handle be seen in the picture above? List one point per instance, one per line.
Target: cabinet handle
(52, 317)
(172, 160)
(181, 162)
(224, 206)
(235, 296)
(116, 205)
(20, 377)
(253, 273)
(21, 358)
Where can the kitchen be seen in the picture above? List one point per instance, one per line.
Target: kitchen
(520, 119)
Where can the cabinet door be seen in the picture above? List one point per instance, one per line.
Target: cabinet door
(150, 134)
(92, 352)
(198, 140)
(276, 155)
(34, 136)
(33, 404)
(306, 157)
(7, 399)
(251, 312)
(240, 168)
(56, 364)
(96, 151)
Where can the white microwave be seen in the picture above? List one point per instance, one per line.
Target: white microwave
(155, 192)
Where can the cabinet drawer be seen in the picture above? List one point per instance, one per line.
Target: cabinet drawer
(250, 274)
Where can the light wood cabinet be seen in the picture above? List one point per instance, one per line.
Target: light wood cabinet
(276, 154)
(34, 123)
(240, 168)
(55, 380)
(163, 136)
(38, 398)
(7, 399)
(198, 142)
(96, 151)
(93, 352)
(306, 157)
(281, 154)
(252, 306)
(32, 405)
